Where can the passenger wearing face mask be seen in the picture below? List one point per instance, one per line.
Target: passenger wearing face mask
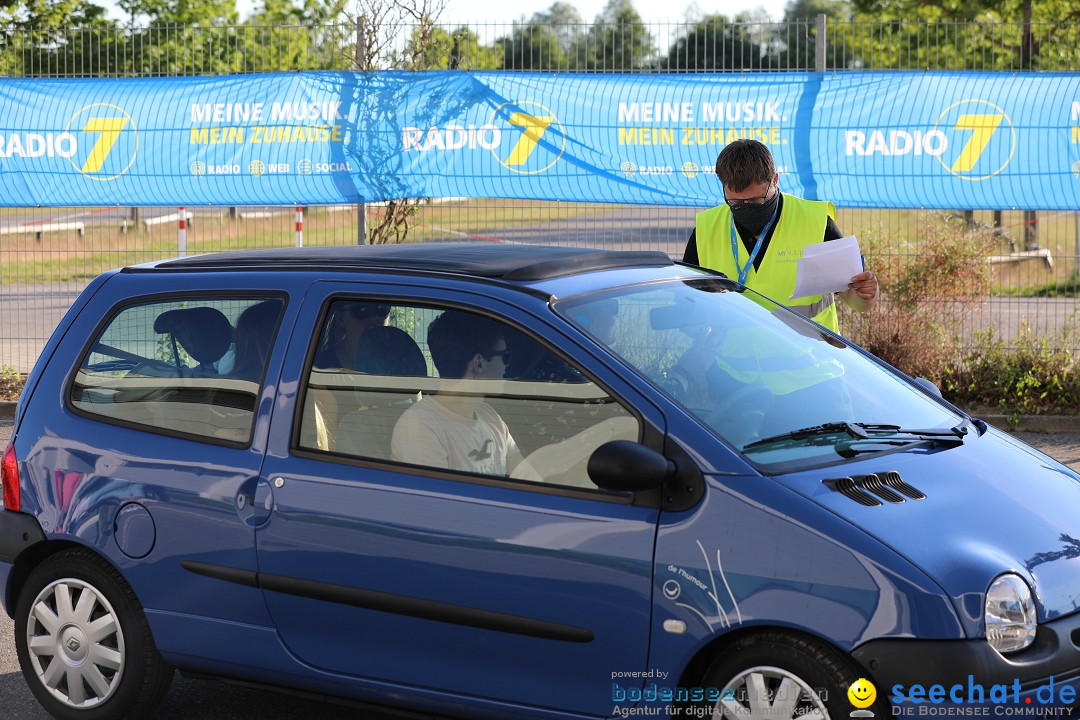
(757, 236)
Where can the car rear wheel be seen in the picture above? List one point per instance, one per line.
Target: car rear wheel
(782, 676)
(84, 644)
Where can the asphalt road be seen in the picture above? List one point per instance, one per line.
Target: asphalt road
(197, 699)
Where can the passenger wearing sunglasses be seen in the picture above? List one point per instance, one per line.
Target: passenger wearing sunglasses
(758, 234)
(456, 428)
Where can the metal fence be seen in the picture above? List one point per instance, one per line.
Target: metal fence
(48, 255)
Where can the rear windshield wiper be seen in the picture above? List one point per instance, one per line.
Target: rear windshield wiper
(875, 432)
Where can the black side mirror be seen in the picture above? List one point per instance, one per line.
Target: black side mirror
(625, 465)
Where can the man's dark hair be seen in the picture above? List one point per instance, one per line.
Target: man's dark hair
(454, 338)
(744, 163)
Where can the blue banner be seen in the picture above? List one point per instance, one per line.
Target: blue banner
(947, 140)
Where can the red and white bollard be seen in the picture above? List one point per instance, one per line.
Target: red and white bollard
(299, 226)
(181, 232)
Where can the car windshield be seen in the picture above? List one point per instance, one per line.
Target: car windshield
(772, 384)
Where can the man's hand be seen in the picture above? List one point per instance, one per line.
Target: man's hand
(862, 292)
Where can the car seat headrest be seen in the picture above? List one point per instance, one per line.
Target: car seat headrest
(387, 350)
(205, 333)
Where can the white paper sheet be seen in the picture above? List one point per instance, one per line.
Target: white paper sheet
(827, 267)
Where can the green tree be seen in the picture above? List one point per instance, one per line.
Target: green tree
(558, 15)
(971, 34)
(70, 38)
(532, 46)
(41, 13)
(290, 12)
(810, 9)
(618, 39)
(551, 39)
(466, 52)
(186, 13)
(282, 35)
(715, 43)
(797, 40)
(436, 48)
(180, 37)
(566, 22)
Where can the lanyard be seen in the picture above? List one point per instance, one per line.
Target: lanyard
(745, 269)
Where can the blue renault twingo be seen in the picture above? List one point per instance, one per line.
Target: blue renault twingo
(514, 481)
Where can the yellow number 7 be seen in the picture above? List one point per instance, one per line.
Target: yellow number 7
(982, 127)
(110, 130)
(535, 127)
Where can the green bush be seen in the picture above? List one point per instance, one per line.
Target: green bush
(928, 293)
(1030, 376)
(928, 297)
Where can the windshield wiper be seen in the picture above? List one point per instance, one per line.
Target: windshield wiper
(862, 431)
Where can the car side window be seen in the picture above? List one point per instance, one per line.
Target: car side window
(191, 366)
(453, 390)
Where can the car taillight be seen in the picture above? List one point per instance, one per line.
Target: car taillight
(9, 479)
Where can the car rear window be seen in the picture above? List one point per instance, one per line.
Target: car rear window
(189, 366)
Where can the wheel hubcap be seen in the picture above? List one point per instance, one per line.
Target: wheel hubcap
(75, 643)
(770, 693)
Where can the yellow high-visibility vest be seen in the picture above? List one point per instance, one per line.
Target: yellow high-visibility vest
(801, 223)
(763, 356)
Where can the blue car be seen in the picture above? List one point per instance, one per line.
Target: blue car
(506, 481)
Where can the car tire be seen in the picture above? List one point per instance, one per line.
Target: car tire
(84, 644)
(805, 677)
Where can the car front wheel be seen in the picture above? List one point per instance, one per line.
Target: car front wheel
(782, 676)
(84, 644)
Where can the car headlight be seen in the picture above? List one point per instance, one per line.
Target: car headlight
(1010, 614)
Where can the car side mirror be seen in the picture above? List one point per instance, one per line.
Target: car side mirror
(628, 466)
(928, 386)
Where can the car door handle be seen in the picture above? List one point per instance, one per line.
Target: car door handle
(255, 501)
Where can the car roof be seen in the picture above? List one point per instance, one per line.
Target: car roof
(512, 262)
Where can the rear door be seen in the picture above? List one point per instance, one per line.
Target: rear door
(150, 443)
(528, 591)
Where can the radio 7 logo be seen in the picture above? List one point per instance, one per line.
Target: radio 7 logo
(991, 138)
(540, 137)
(110, 124)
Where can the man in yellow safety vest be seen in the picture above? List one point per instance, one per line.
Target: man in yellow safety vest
(758, 234)
(757, 237)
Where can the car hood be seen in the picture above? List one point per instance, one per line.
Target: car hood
(991, 505)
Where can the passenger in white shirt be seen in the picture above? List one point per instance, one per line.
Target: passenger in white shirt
(455, 428)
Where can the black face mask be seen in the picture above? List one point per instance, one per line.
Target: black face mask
(753, 218)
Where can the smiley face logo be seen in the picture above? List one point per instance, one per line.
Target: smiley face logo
(672, 590)
(862, 693)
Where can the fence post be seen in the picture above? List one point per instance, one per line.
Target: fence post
(361, 64)
(819, 46)
(1031, 230)
(181, 232)
(299, 226)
